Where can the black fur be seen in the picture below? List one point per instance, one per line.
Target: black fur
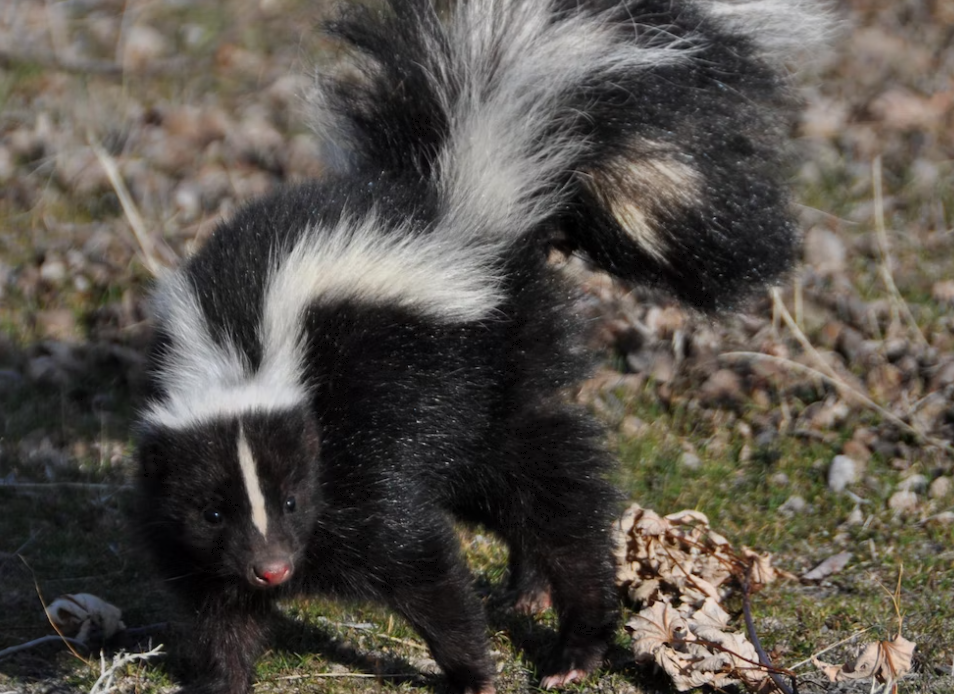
(412, 418)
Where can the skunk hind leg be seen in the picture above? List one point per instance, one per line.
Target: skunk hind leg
(528, 584)
(555, 508)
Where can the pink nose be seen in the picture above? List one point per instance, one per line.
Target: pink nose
(272, 573)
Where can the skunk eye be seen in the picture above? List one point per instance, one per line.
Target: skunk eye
(290, 505)
(213, 516)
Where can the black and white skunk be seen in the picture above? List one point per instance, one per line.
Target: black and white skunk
(349, 365)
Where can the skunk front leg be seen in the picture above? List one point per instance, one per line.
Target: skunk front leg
(429, 584)
(228, 637)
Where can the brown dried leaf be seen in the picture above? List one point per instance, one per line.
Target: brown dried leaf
(831, 565)
(711, 615)
(762, 572)
(656, 627)
(885, 661)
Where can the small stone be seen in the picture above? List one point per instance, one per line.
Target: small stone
(842, 472)
(45, 370)
(903, 501)
(942, 518)
(57, 323)
(690, 461)
(943, 376)
(914, 483)
(664, 368)
(793, 506)
(287, 91)
(724, 387)
(884, 382)
(825, 251)
(779, 479)
(188, 200)
(831, 565)
(857, 451)
(900, 464)
(940, 488)
(856, 517)
(665, 322)
(896, 348)
(81, 283)
(943, 292)
(53, 270)
(633, 427)
(144, 45)
(7, 166)
(304, 158)
(426, 665)
(79, 171)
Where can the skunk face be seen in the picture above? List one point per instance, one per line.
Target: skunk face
(233, 499)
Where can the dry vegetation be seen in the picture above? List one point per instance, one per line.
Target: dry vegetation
(818, 425)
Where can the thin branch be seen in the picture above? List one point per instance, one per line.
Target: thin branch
(897, 301)
(68, 641)
(147, 249)
(51, 638)
(835, 645)
(766, 662)
(334, 675)
(830, 376)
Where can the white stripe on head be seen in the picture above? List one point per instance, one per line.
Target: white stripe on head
(252, 486)
(203, 379)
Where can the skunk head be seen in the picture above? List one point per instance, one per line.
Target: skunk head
(231, 498)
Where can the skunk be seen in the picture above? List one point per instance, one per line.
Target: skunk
(352, 364)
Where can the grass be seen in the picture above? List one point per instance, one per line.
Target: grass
(79, 543)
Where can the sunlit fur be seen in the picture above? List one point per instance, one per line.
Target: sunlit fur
(350, 364)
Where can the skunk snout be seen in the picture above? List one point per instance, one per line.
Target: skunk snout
(270, 572)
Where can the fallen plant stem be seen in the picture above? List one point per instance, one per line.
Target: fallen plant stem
(897, 301)
(50, 638)
(68, 641)
(808, 661)
(370, 627)
(334, 675)
(766, 662)
(147, 249)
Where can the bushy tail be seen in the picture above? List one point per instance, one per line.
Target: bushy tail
(647, 134)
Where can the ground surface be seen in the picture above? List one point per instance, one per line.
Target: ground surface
(198, 106)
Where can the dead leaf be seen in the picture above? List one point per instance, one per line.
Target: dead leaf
(831, 565)
(886, 661)
(761, 572)
(655, 627)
